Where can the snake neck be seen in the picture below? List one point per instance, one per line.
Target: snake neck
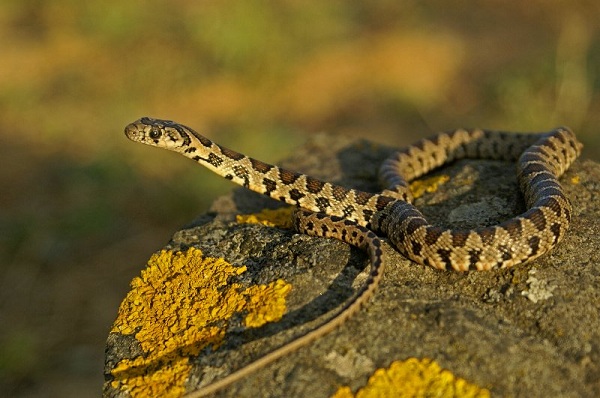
(287, 186)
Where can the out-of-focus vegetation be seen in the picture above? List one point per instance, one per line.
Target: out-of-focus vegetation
(82, 208)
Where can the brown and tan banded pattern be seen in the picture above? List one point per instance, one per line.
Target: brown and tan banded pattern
(329, 210)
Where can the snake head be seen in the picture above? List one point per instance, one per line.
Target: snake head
(160, 133)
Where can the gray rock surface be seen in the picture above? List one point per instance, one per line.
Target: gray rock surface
(533, 330)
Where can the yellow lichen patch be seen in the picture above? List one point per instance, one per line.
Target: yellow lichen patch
(431, 184)
(178, 306)
(414, 378)
(575, 180)
(281, 217)
(141, 379)
(266, 303)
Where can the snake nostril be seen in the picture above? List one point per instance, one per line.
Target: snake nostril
(131, 131)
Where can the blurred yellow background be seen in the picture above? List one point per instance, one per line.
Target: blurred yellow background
(82, 208)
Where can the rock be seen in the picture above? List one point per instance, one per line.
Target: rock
(533, 330)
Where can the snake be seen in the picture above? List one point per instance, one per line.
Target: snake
(325, 209)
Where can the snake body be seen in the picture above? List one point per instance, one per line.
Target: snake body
(353, 216)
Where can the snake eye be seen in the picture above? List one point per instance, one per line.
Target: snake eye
(155, 133)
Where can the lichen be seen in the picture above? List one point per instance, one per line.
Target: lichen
(266, 303)
(414, 378)
(537, 290)
(431, 184)
(281, 217)
(179, 306)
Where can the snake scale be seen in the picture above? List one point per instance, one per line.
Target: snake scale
(352, 216)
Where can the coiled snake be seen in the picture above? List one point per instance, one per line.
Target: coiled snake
(352, 216)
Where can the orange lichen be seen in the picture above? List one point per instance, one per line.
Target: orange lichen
(281, 217)
(266, 303)
(414, 378)
(431, 184)
(141, 378)
(177, 307)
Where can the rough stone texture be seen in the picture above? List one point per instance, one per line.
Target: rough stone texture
(533, 330)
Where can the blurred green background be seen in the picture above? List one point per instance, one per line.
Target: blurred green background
(82, 208)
